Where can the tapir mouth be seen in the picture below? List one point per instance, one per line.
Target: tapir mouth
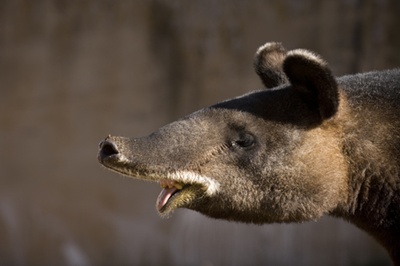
(174, 195)
(170, 189)
(180, 188)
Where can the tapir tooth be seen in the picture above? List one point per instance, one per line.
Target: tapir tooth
(170, 184)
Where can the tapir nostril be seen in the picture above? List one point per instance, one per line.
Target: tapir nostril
(107, 149)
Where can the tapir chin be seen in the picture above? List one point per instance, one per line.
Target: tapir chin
(308, 145)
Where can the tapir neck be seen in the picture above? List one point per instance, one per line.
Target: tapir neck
(371, 146)
(375, 208)
(373, 202)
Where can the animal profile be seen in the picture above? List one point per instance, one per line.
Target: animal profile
(307, 145)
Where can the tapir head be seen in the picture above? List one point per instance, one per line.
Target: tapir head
(269, 156)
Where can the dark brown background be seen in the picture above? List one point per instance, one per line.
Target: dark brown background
(72, 72)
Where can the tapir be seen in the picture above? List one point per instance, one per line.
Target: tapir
(307, 145)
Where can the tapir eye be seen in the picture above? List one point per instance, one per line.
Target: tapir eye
(245, 140)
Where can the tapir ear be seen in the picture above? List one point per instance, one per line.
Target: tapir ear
(310, 74)
(268, 64)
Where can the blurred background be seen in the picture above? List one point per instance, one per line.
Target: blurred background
(72, 72)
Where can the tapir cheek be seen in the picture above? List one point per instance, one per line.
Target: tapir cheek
(323, 168)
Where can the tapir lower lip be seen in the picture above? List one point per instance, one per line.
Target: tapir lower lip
(181, 198)
(161, 205)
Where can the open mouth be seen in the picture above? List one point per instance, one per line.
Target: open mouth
(170, 191)
(183, 189)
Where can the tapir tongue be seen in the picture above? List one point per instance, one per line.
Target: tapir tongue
(164, 196)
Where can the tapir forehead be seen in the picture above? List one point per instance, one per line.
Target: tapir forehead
(219, 121)
(282, 105)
